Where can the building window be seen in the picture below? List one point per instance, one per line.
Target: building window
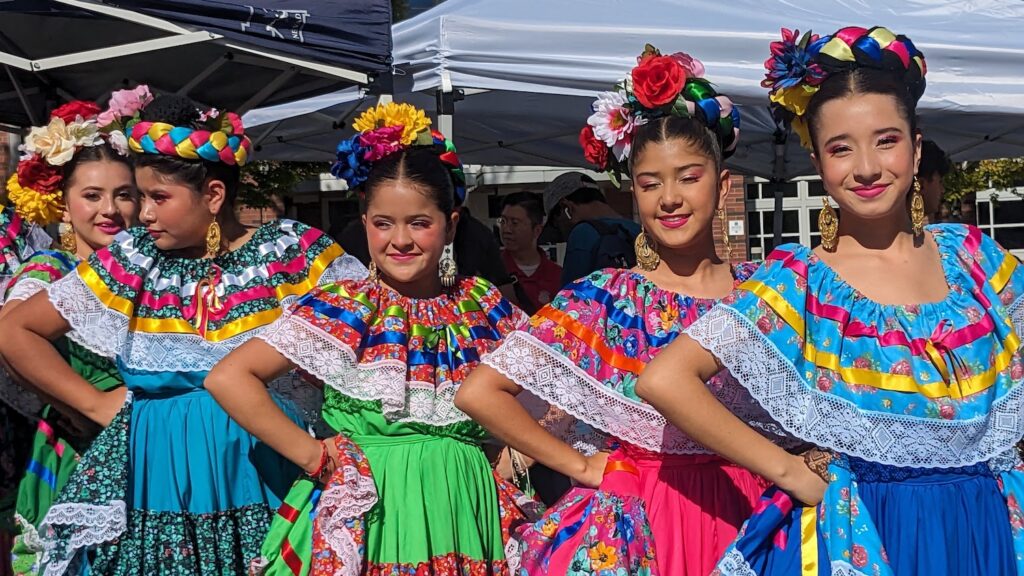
(801, 203)
(1001, 216)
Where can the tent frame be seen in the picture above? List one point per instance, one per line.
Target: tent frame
(179, 36)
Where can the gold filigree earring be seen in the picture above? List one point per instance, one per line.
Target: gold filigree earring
(68, 242)
(213, 240)
(917, 209)
(646, 256)
(725, 235)
(828, 225)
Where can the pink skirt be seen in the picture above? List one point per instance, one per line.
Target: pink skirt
(653, 514)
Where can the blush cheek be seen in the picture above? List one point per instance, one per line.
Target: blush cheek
(376, 240)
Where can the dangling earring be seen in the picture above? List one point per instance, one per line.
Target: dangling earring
(446, 268)
(373, 277)
(725, 236)
(646, 257)
(828, 225)
(213, 240)
(917, 209)
(67, 237)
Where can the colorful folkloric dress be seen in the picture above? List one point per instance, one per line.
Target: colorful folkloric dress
(415, 494)
(666, 505)
(18, 241)
(173, 485)
(923, 405)
(58, 443)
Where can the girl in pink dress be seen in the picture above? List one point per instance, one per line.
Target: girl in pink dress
(663, 504)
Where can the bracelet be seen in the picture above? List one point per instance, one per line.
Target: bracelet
(319, 470)
(818, 460)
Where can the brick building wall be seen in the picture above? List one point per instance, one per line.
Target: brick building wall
(735, 209)
(250, 216)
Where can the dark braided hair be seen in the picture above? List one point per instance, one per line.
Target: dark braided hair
(182, 111)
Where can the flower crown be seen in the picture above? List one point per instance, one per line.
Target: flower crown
(36, 188)
(799, 64)
(222, 140)
(658, 86)
(389, 128)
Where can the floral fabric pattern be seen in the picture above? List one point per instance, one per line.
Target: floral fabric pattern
(935, 384)
(901, 393)
(584, 352)
(369, 343)
(186, 314)
(391, 366)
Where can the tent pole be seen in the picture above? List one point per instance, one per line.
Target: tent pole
(383, 86)
(778, 177)
(266, 91)
(206, 73)
(445, 111)
(22, 97)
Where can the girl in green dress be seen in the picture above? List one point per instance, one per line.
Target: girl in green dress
(407, 488)
(96, 200)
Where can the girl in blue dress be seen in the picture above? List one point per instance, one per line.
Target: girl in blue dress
(172, 485)
(891, 348)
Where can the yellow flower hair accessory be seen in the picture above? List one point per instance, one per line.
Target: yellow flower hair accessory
(412, 120)
(39, 208)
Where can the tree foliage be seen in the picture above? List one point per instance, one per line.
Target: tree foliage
(966, 178)
(263, 179)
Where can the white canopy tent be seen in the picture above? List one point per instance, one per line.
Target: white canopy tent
(530, 68)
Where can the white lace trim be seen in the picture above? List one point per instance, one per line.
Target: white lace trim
(94, 523)
(105, 332)
(734, 564)
(93, 325)
(25, 289)
(348, 267)
(340, 502)
(843, 568)
(23, 401)
(532, 364)
(832, 422)
(1016, 313)
(29, 535)
(336, 365)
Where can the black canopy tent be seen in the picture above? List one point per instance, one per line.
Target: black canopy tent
(233, 54)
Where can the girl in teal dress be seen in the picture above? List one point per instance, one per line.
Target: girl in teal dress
(892, 348)
(172, 485)
(406, 486)
(92, 194)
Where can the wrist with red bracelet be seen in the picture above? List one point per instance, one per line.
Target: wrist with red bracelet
(318, 473)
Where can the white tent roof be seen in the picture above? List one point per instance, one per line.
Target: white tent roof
(531, 67)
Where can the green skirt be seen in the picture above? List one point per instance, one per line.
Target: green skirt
(436, 510)
(55, 454)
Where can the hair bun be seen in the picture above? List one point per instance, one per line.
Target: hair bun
(799, 64)
(172, 109)
(658, 86)
(878, 48)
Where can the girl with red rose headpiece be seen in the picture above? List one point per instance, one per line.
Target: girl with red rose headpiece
(171, 485)
(893, 348)
(663, 504)
(70, 172)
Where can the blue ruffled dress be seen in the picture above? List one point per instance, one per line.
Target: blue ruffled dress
(923, 404)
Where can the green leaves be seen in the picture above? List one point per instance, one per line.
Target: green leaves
(263, 179)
